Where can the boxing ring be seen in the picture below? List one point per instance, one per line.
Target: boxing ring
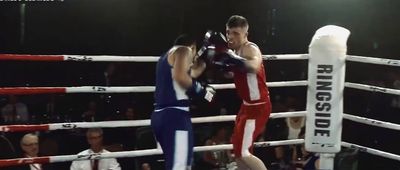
(150, 89)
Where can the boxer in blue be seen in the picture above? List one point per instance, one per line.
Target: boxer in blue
(176, 72)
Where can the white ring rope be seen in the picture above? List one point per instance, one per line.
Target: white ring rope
(372, 151)
(372, 88)
(132, 89)
(128, 123)
(372, 122)
(256, 144)
(137, 89)
(269, 84)
(111, 58)
(103, 89)
(286, 57)
(373, 60)
(107, 58)
(148, 152)
(136, 153)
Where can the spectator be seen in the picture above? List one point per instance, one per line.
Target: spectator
(217, 159)
(126, 136)
(30, 148)
(51, 112)
(294, 125)
(129, 113)
(305, 160)
(284, 129)
(91, 114)
(15, 111)
(289, 129)
(108, 74)
(95, 140)
(146, 166)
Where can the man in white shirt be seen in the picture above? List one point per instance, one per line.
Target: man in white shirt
(95, 139)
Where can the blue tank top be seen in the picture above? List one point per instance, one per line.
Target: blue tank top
(310, 165)
(168, 92)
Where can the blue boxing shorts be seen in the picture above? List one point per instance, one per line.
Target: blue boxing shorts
(173, 130)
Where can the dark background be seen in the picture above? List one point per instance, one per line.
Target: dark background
(148, 27)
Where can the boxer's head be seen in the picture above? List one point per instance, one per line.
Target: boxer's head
(236, 31)
(187, 40)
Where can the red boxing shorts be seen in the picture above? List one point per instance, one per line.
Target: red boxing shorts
(250, 123)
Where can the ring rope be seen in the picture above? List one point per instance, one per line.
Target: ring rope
(372, 151)
(133, 89)
(286, 57)
(110, 58)
(208, 119)
(136, 153)
(372, 88)
(372, 122)
(373, 60)
(147, 152)
(127, 123)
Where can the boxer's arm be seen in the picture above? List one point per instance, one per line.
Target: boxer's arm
(181, 76)
(181, 67)
(197, 68)
(253, 58)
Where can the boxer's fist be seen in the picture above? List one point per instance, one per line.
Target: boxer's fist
(197, 90)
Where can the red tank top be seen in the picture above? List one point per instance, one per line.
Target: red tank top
(252, 87)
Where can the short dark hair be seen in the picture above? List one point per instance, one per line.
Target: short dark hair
(185, 39)
(95, 130)
(237, 21)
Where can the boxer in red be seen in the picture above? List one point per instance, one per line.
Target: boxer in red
(244, 59)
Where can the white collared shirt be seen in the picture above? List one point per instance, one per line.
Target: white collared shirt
(34, 166)
(104, 164)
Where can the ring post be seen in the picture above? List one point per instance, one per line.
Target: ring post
(326, 72)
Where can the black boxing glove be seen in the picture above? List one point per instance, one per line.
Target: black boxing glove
(203, 91)
(218, 40)
(213, 43)
(228, 60)
(206, 53)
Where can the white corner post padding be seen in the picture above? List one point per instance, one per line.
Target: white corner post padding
(326, 73)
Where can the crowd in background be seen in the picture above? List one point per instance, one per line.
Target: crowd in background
(55, 108)
(147, 28)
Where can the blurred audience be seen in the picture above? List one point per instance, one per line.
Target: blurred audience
(217, 159)
(91, 114)
(303, 159)
(108, 74)
(284, 129)
(146, 166)
(14, 111)
(126, 136)
(129, 113)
